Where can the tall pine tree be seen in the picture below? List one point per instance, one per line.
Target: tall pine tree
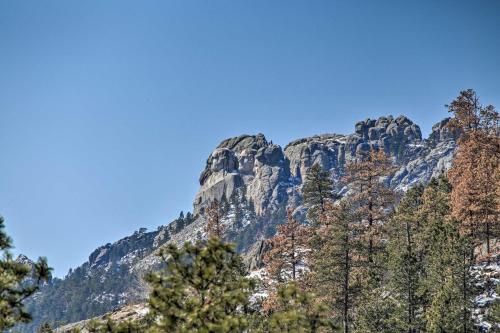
(475, 197)
(336, 268)
(317, 191)
(372, 199)
(406, 260)
(447, 286)
(285, 259)
(214, 226)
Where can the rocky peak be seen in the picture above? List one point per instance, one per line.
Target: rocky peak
(245, 163)
(234, 154)
(385, 132)
(25, 260)
(333, 151)
(443, 132)
(268, 176)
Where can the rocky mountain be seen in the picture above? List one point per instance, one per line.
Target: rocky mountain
(255, 180)
(271, 177)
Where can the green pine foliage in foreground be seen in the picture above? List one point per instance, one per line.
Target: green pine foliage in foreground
(204, 288)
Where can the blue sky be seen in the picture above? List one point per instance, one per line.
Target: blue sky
(109, 109)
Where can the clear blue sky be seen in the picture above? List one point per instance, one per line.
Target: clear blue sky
(109, 109)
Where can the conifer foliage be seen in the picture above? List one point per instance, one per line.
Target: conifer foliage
(214, 226)
(372, 200)
(109, 326)
(296, 311)
(317, 191)
(203, 288)
(287, 250)
(45, 328)
(336, 267)
(406, 253)
(14, 286)
(475, 174)
(430, 285)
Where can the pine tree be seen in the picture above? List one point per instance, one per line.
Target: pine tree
(447, 286)
(14, 286)
(372, 199)
(203, 288)
(296, 311)
(336, 267)
(214, 226)
(287, 250)
(110, 326)
(406, 261)
(189, 218)
(224, 205)
(317, 191)
(494, 314)
(475, 197)
(380, 312)
(429, 286)
(45, 328)
(179, 225)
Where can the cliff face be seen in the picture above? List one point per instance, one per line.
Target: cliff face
(255, 180)
(245, 162)
(271, 176)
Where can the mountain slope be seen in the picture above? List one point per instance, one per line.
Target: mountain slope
(254, 180)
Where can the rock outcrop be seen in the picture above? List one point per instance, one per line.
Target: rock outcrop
(255, 180)
(269, 176)
(244, 162)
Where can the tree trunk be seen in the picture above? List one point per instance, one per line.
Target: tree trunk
(370, 226)
(464, 273)
(346, 287)
(409, 278)
(488, 241)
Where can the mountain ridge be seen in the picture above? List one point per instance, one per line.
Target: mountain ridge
(255, 180)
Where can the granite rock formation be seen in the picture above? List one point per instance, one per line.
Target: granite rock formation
(255, 180)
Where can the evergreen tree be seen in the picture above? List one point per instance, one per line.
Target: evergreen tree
(179, 225)
(224, 205)
(45, 328)
(214, 226)
(189, 218)
(494, 314)
(110, 326)
(296, 311)
(336, 268)
(429, 285)
(203, 288)
(94, 326)
(380, 312)
(317, 191)
(475, 197)
(287, 250)
(372, 200)
(447, 286)
(405, 261)
(15, 283)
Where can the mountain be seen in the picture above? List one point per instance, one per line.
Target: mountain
(255, 180)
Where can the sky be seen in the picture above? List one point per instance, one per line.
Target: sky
(109, 109)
